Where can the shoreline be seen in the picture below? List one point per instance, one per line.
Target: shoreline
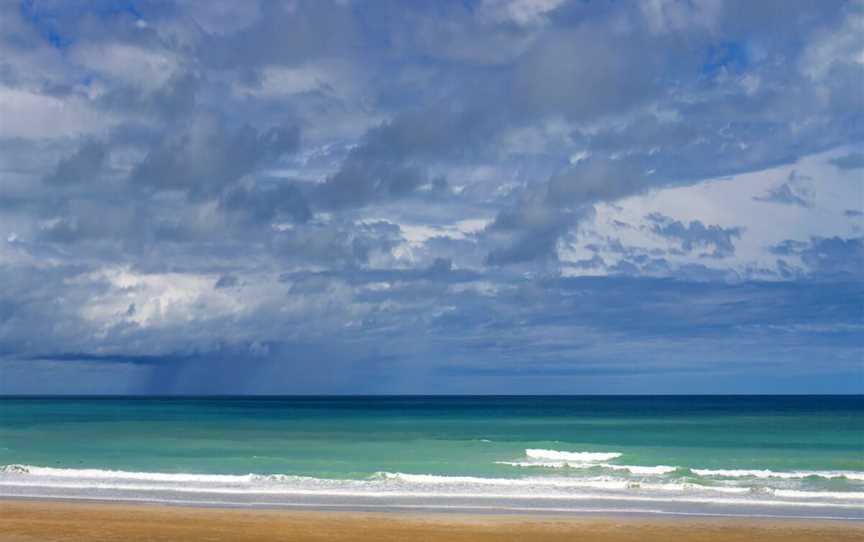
(430, 510)
(422, 493)
(49, 520)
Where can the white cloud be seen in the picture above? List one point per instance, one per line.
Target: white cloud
(160, 299)
(143, 68)
(836, 45)
(222, 16)
(32, 115)
(417, 234)
(523, 12)
(730, 203)
(674, 15)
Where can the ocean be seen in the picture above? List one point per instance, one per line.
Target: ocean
(771, 456)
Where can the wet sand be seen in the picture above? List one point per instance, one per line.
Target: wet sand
(72, 522)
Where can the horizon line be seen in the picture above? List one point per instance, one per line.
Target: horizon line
(409, 395)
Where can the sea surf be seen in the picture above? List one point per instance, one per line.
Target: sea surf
(740, 456)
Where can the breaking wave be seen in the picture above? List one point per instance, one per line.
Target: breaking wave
(587, 457)
(555, 459)
(788, 475)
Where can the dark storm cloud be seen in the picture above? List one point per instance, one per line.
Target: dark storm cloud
(29, 295)
(392, 159)
(266, 204)
(529, 231)
(208, 156)
(557, 324)
(111, 358)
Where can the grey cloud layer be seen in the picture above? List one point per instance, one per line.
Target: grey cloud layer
(247, 181)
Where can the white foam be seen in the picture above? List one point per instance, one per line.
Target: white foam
(755, 473)
(632, 469)
(600, 482)
(668, 469)
(796, 494)
(15, 479)
(587, 457)
(637, 469)
(565, 483)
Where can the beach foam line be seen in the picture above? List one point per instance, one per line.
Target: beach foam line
(251, 477)
(126, 475)
(497, 493)
(586, 457)
(49, 476)
(17, 479)
(379, 483)
(412, 495)
(611, 484)
(799, 494)
(601, 483)
(563, 483)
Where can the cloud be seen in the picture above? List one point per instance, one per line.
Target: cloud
(784, 194)
(266, 204)
(853, 160)
(82, 167)
(284, 35)
(696, 234)
(527, 233)
(145, 360)
(522, 12)
(585, 72)
(33, 115)
(788, 193)
(359, 196)
(392, 160)
(226, 281)
(206, 156)
(835, 256)
(827, 257)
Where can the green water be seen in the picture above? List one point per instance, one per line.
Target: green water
(359, 436)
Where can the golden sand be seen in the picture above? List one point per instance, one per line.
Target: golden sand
(68, 521)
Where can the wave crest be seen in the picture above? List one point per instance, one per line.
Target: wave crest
(585, 457)
(632, 469)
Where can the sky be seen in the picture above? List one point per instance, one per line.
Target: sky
(389, 197)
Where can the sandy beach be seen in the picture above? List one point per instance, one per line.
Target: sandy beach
(102, 522)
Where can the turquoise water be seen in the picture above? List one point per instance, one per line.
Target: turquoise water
(755, 449)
